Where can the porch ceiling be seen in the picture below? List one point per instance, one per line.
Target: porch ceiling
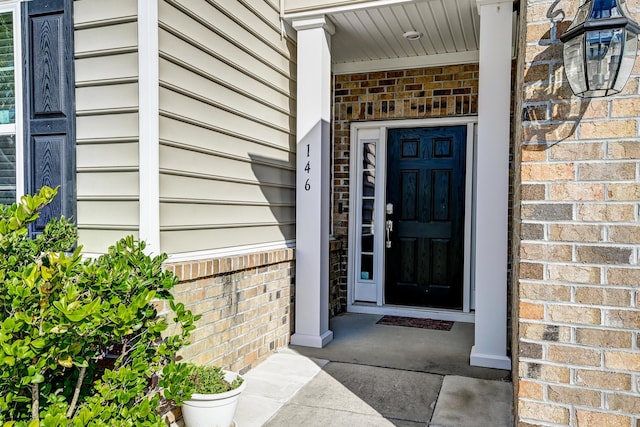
(369, 34)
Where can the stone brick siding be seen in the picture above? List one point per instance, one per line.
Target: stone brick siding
(578, 358)
(337, 278)
(404, 94)
(400, 94)
(246, 303)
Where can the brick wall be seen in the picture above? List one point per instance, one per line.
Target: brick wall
(246, 304)
(400, 94)
(403, 94)
(337, 277)
(578, 358)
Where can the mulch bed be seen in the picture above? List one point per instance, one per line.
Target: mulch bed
(440, 325)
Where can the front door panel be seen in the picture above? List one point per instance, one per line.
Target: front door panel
(425, 186)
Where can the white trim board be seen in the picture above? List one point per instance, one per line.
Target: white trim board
(149, 126)
(408, 123)
(457, 58)
(16, 129)
(217, 253)
(228, 252)
(19, 116)
(316, 11)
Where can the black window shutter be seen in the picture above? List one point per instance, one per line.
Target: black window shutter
(49, 104)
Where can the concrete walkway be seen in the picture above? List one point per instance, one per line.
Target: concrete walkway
(292, 389)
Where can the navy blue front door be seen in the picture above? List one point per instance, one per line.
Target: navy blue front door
(425, 186)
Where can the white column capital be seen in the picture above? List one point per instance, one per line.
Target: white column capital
(312, 22)
(481, 3)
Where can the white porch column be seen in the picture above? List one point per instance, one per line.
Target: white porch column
(312, 182)
(492, 179)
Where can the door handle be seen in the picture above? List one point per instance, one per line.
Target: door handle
(389, 229)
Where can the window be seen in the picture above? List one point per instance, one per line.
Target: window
(367, 202)
(10, 111)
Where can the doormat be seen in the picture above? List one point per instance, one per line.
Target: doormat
(412, 322)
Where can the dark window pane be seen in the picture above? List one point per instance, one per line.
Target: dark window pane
(367, 241)
(7, 169)
(366, 267)
(7, 83)
(368, 184)
(367, 211)
(369, 156)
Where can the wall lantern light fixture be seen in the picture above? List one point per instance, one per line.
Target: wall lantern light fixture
(600, 48)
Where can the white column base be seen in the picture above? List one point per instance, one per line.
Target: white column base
(315, 341)
(489, 360)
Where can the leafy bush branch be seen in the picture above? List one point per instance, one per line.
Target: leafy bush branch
(81, 342)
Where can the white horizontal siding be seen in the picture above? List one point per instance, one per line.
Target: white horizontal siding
(227, 237)
(107, 184)
(106, 67)
(227, 121)
(203, 57)
(106, 126)
(204, 21)
(262, 9)
(256, 170)
(113, 213)
(244, 26)
(98, 11)
(107, 98)
(222, 214)
(107, 155)
(220, 48)
(202, 109)
(94, 41)
(101, 70)
(97, 240)
(211, 89)
(198, 136)
(212, 188)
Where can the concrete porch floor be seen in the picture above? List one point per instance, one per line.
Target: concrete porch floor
(378, 375)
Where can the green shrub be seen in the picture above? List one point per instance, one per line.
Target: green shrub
(210, 380)
(81, 342)
(181, 380)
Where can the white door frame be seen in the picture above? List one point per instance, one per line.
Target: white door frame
(366, 295)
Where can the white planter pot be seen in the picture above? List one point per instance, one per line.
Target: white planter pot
(212, 410)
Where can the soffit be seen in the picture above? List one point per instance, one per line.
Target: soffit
(448, 26)
(368, 35)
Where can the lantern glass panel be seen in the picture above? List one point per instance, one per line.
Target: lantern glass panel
(574, 64)
(628, 59)
(581, 15)
(606, 9)
(604, 52)
(622, 10)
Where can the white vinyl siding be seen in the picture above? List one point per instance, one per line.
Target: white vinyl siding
(106, 67)
(107, 98)
(182, 241)
(227, 142)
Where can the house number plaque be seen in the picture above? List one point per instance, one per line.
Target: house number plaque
(307, 169)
